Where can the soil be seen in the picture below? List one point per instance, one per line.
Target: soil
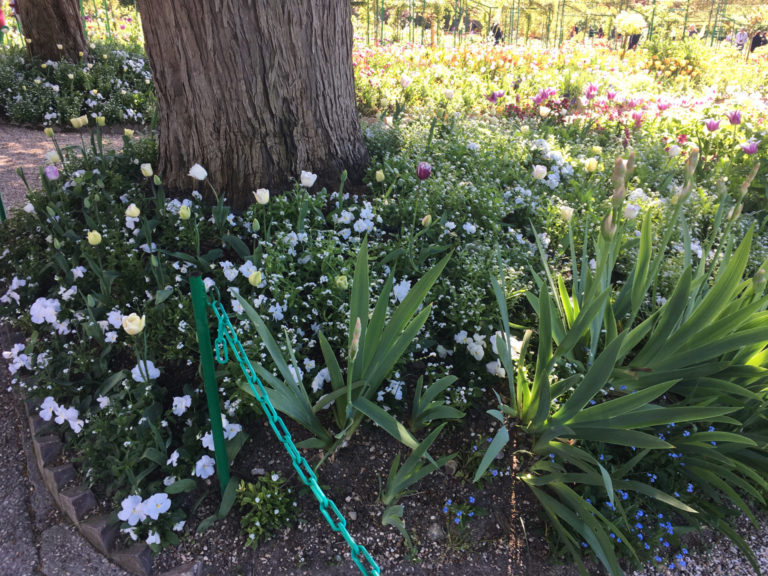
(489, 544)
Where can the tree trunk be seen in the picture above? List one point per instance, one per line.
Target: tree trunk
(255, 91)
(48, 24)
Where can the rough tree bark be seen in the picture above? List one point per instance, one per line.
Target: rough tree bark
(253, 90)
(50, 22)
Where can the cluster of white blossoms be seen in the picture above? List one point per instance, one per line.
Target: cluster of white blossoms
(206, 466)
(17, 359)
(45, 311)
(70, 415)
(135, 510)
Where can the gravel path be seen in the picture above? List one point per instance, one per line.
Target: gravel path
(25, 148)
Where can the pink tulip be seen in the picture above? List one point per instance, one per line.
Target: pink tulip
(712, 124)
(51, 172)
(750, 147)
(423, 170)
(734, 117)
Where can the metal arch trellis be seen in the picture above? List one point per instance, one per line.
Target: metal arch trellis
(227, 339)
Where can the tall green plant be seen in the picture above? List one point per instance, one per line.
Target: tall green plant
(697, 359)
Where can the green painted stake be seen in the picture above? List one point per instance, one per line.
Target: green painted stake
(199, 305)
(2, 210)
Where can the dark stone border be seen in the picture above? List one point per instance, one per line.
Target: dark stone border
(79, 505)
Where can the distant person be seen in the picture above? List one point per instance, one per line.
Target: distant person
(741, 39)
(600, 33)
(634, 40)
(692, 31)
(497, 32)
(759, 40)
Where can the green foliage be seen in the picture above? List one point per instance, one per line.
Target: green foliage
(267, 506)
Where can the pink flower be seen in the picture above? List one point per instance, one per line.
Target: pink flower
(591, 91)
(734, 117)
(662, 105)
(712, 124)
(637, 116)
(610, 94)
(423, 170)
(51, 172)
(750, 147)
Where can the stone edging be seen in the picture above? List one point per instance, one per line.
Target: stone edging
(77, 503)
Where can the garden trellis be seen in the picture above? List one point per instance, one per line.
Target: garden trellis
(226, 339)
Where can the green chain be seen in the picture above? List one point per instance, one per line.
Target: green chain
(227, 335)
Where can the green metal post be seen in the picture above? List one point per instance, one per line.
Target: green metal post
(106, 15)
(653, 17)
(2, 210)
(517, 21)
(199, 306)
(685, 20)
(423, 19)
(714, 26)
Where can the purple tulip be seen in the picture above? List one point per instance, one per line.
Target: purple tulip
(750, 147)
(51, 172)
(423, 170)
(734, 117)
(610, 94)
(712, 124)
(493, 97)
(544, 95)
(591, 91)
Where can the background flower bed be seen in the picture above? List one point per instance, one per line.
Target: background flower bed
(506, 176)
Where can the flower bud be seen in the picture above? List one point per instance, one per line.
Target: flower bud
(566, 212)
(262, 196)
(83, 120)
(423, 170)
(255, 278)
(128, 132)
(185, 212)
(631, 164)
(48, 132)
(591, 165)
(156, 180)
(53, 157)
(146, 170)
(255, 226)
(539, 172)
(674, 151)
(379, 176)
(75, 122)
(342, 282)
(101, 121)
(618, 195)
(132, 211)
(133, 324)
(544, 111)
(448, 94)
(427, 220)
(608, 228)
(355, 344)
(619, 171)
(692, 162)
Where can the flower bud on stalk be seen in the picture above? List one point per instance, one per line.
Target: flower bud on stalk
(608, 227)
(618, 195)
(692, 162)
(619, 171)
(748, 181)
(630, 164)
(355, 345)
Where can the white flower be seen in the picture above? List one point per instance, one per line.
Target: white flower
(47, 408)
(475, 350)
(231, 430)
(198, 172)
(174, 459)
(262, 196)
(145, 371)
(115, 319)
(179, 526)
(181, 403)
(153, 537)
(205, 467)
(539, 172)
(307, 179)
(275, 477)
(401, 289)
(473, 146)
(78, 272)
(320, 379)
(469, 228)
(207, 441)
(156, 504)
(495, 368)
(103, 401)
(405, 81)
(631, 211)
(566, 212)
(110, 337)
(461, 337)
(443, 352)
(133, 510)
